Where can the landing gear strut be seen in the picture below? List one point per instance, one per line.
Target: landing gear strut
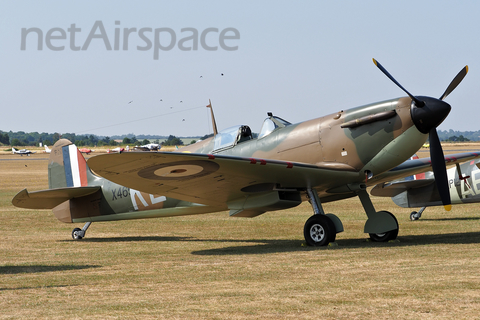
(382, 226)
(320, 229)
(78, 234)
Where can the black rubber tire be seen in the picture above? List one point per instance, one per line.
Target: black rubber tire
(413, 217)
(387, 236)
(319, 230)
(75, 237)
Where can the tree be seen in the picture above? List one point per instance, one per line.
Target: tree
(4, 138)
(69, 136)
(56, 137)
(461, 138)
(206, 136)
(173, 141)
(126, 140)
(145, 141)
(16, 142)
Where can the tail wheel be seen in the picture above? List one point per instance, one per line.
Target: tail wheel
(76, 234)
(413, 216)
(386, 236)
(319, 230)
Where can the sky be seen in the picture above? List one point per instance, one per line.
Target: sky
(298, 60)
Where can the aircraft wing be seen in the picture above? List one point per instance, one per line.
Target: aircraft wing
(49, 199)
(392, 189)
(210, 179)
(412, 167)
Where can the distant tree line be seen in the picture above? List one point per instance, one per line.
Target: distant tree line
(134, 141)
(172, 141)
(451, 135)
(457, 139)
(21, 138)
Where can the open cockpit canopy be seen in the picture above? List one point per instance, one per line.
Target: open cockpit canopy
(270, 124)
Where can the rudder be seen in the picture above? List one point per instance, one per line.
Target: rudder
(67, 166)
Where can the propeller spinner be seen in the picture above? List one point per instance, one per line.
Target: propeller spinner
(427, 114)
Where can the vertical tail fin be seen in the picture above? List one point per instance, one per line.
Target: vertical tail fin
(67, 166)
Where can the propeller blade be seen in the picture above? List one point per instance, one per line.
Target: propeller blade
(455, 82)
(418, 103)
(439, 169)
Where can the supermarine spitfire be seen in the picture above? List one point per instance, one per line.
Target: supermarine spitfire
(325, 159)
(420, 190)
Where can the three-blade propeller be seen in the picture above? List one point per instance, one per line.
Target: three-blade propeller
(427, 113)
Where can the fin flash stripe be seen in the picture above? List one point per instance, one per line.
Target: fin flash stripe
(75, 166)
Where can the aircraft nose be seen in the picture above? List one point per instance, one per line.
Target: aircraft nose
(430, 115)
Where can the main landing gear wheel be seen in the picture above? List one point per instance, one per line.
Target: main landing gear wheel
(387, 236)
(319, 230)
(76, 234)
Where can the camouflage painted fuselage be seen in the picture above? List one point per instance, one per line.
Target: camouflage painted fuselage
(365, 140)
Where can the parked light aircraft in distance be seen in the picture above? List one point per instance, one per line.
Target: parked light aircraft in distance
(325, 159)
(86, 150)
(23, 151)
(149, 147)
(420, 190)
(47, 149)
(117, 149)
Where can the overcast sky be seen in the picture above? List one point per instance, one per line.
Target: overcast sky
(298, 60)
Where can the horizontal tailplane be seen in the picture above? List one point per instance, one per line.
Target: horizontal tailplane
(49, 199)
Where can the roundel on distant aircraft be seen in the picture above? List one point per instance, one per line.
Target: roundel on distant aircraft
(180, 170)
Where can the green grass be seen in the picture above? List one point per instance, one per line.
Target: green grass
(216, 267)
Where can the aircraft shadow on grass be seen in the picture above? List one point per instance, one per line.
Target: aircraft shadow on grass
(37, 268)
(452, 219)
(264, 246)
(37, 287)
(275, 246)
(136, 239)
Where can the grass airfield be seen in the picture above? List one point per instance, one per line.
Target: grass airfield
(216, 267)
